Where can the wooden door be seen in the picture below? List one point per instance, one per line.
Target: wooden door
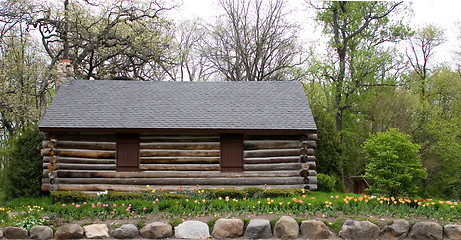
(231, 152)
(127, 152)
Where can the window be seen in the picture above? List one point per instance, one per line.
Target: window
(231, 152)
(127, 152)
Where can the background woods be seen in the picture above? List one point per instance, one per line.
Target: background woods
(374, 73)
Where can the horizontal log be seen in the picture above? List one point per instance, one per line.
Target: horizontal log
(310, 144)
(185, 181)
(179, 153)
(46, 159)
(271, 137)
(181, 145)
(312, 165)
(308, 152)
(272, 167)
(170, 174)
(310, 180)
(147, 160)
(312, 136)
(132, 188)
(178, 138)
(270, 144)
(72, 166)
(304, 159)
(95, 145)
(271, 153)
(103, 137)
(79, 153)
(266, 160)
(179, 167)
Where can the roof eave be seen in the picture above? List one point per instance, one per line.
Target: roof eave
(178, 130)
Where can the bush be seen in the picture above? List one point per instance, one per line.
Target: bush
(69, 197)
(169, 195)
(116, 196)
(395, 166)
(325, 183)
(230, 192)
(253, 191)
(22, 176)
(276, 192)
(298, 191)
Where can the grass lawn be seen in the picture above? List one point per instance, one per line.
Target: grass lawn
(208, 204)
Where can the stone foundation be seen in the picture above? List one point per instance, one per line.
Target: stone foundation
(257, 228)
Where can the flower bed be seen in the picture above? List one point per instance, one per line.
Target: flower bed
(27, 212)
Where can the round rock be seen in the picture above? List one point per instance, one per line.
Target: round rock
(41, 232)
(70, 231)
(15, 233)
(452, 231)
(426, 230)
(156, 230)
(258, 229)
(192, 229)
(127, 231)
(313, 229)
(397, 230)
(228, 228)
(359, 230)
(96, 231)
(286, 228)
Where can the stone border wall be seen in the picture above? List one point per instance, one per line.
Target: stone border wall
(285, 228)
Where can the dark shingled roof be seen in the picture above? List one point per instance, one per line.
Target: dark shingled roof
(110, 104)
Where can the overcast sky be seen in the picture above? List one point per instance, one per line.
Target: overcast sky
(443, 13)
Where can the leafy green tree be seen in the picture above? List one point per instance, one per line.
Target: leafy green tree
(361, 59)
(395, 165)
(358, 57)
(440, 134)
(328, 151)
(23, 173)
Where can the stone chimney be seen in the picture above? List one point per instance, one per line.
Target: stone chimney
(65, 72)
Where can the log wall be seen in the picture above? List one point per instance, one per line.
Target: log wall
(86, 162)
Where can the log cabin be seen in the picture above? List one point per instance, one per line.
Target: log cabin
(123, 135)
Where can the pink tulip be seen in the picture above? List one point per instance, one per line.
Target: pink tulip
(63, 205)
(84, 203)
(77, 206)
(115, 205)
(99, 204)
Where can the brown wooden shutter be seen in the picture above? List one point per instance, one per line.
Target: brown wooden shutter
(127, 152)
(231, 152)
